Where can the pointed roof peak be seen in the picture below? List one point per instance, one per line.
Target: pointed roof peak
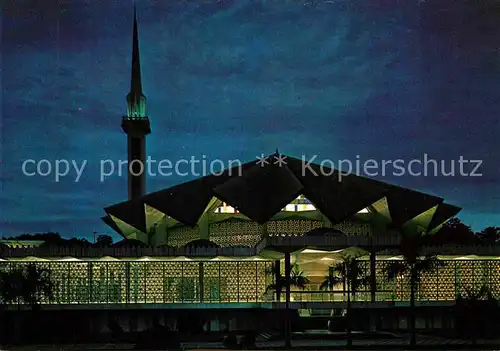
(136, 82)
(135, 12)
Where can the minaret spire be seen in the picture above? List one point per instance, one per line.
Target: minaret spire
(136, 100)
(136, 82)
(136, 124)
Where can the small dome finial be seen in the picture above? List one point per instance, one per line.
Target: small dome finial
(277, 151)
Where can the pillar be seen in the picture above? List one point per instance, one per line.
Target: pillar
(288, 269)
(277, 279)
(204, 226)
(200, 278)
(288, 329)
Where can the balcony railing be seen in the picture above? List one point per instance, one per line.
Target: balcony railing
(360, 296)
(295, 297)
(334, 241)
(61, 251)
(134, 118)
(339, 296)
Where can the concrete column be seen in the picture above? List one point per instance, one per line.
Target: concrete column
(200, 279)
(277, 276)
(204, 226)
(288, 269)
(288, 329)
(378, 228)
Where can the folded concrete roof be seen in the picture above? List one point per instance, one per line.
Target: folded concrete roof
(260, 191)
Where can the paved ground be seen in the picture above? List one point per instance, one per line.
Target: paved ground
(423, 341)
(339, 343)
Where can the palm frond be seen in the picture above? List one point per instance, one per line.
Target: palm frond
(29, 284)
(429, 263)
(339, 268)
(325, 285)
(354, 269)
(298, 279)
(471, 297)
(270, 270)
(395, 269)
(410, 246)
(358, 283)
(484, 291)
(301, 282)
(329, 282)
(272, 287)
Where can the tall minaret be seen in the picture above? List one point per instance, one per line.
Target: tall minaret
(136, 125)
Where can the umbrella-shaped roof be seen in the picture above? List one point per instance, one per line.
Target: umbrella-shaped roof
(260, 190)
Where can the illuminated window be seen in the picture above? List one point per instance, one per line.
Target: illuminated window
(300, 204)
(225, 208)
(364, 210)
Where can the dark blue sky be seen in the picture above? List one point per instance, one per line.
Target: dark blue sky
(384, 80)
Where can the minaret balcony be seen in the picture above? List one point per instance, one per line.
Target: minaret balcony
(136, 118)
(136, 125)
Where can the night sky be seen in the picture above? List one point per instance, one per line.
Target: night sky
(384, 80)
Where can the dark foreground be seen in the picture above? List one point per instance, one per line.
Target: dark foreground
(423, 343)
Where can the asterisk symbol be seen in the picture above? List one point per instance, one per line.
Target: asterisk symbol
(279, 160)
(262, 160)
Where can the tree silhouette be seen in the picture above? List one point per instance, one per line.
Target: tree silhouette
(297, 279)
(26, 285)
(489, 235)
(47, 237)
(281, 282)
(51, 239)
(332, 279)
(412, 266)
(477, 312)
(104, 240)
(454, 232)
(349, 273)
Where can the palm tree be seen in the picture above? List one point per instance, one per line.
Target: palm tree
(412, 266)
(28, 285)
(353, 275)
(338, 273)
(332, 279)
(297, 279)
(477, 311)
(348, 272)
